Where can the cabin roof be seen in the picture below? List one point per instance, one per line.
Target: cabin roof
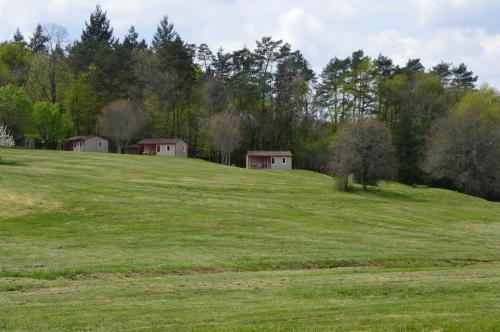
(160, 141)
(82, 138)
(269, 153)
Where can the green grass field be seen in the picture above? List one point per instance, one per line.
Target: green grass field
(105, 242)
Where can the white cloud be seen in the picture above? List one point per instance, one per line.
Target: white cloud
(474, 47)
(390, 43)
(491, 46)
(300, 29)
(344, 10)
(433, 30)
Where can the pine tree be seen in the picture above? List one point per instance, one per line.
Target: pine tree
(38, 43)
(443, 70)
(98, 30)
(331, 94)
(164, 35)
(131, 40)
(463, 78)
(18, 37)
(204, 56)
(413, 66)
(384, 69)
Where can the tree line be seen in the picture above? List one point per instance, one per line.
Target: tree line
(266, 98)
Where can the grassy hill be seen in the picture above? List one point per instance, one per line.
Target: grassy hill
(112, 242)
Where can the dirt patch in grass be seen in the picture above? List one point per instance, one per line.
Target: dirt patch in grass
(81, 275)
(13, 204)
(148, 274)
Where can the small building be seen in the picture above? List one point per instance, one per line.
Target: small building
(269, 159)
(89, 143)
(174, 147)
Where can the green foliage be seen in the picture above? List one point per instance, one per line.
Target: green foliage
(414, 103)
(362, 149)
(465, 145)
(81, 101)
(48, 78)
(131, 41)
(98, 29)
(39, 42)
(169, 78)
(18, 38)
(50, 125)
(485, 102)
(311, 148)
(165, 34)
(330, 93)
(15, 110)
(111, 74)
(14, 63)
(463, 79)
(272, 88)
(106, 63)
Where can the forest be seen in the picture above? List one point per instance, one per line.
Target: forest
(442, 128)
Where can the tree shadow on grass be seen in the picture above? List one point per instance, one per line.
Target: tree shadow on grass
(384, 192)
(6, 162)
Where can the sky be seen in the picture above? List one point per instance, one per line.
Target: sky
(454, 31)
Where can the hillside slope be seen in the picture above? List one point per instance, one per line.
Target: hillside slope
(120, 242)
(83, 213)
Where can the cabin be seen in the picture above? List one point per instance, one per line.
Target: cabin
(89, 143)
(269, 159)
(173, 147)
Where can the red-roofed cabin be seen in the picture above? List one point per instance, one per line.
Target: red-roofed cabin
(269, 159)
(174, 147)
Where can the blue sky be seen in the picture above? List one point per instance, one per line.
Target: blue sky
(432, 30)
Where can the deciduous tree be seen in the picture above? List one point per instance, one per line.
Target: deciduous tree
(15, 110)
(362, 149)
(81, 101)
(465, 145)
(120, 120)
(50, 125)
(224, 134)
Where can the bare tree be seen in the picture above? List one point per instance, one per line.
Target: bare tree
(57, 36)
(224, 134)
(362, 150)
(120, 120)
(49, 73)
(465, 146)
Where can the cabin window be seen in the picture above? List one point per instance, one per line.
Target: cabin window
(168, 148)
(100, 144)
(158, 148)
(284, 161)
(77, 145)
(272, 160)
(183, 148)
